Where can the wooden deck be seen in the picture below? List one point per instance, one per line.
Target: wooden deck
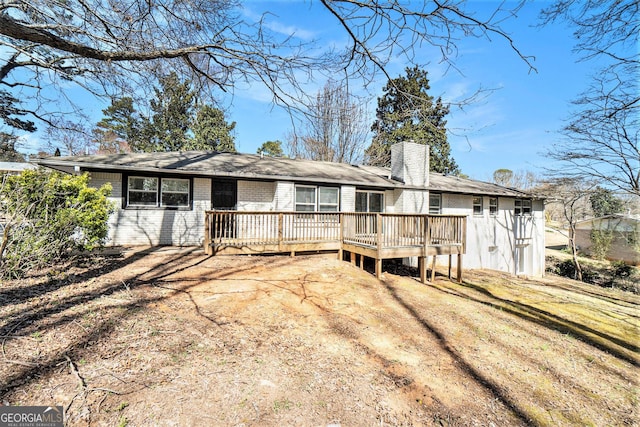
(373, 235)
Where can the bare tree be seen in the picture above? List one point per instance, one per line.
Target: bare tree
(335, 130)
(118, 48)
(601, 139)
(74, 138)
(521, 180)
(572, 195)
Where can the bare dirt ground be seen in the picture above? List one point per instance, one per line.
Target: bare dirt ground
(164, 337)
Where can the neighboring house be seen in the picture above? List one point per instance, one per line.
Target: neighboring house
(14, 167)
(623, 230)
(162, 198)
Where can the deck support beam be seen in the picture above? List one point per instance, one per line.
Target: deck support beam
(433, 269)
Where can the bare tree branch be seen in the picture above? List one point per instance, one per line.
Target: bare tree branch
(120, 47)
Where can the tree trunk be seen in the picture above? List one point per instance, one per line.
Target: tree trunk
(574, 251)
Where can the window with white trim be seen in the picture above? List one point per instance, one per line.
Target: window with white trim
(146, 191)
(522, 207)
(317, 199)
(435, 203)
(328, 199)
(477, 205)
(493, 206)
(369, 201)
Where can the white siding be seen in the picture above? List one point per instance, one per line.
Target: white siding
(491, 240)
(347, 198)
(284, 194)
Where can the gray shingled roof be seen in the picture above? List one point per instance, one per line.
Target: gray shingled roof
(234, 165)
(249, 166)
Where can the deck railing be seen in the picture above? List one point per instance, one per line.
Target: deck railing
(398, 230)
(272, 231)
(269, 231)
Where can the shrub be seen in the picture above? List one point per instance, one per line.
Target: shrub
(601, 243)
(47, 216)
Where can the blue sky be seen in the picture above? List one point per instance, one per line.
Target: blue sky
(510, 128)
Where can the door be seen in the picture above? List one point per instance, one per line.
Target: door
(224, 197)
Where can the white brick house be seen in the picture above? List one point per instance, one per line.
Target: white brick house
(161, 198)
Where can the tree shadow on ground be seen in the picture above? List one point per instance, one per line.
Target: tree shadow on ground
(44, 317)
(466, 367)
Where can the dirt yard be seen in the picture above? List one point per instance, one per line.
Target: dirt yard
(169, 337)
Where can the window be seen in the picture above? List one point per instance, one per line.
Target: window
(144, 191)
(322, 199)
(477, 205)
(328, 200)
(435, 203)
(522, 207)
(369, 201)
(305, 199)
(175, 192)
(493, 206)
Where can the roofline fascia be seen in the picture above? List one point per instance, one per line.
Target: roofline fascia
(88, 166)
(251, 177)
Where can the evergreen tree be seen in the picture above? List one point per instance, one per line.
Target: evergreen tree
(172, 112)
(8, 152)
(406, 112)
(176, 123)
(211, 131)
(120, 127)
(271, 148)
(604, 202)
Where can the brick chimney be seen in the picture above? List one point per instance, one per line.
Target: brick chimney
(410, 163)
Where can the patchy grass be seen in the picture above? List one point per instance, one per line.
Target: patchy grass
(167, 336)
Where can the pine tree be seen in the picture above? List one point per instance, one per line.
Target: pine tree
(177, 123)
(211, 131)
(172, 112)
(406, 112)
(120, 128)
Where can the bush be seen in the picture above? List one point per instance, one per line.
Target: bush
(48, 215)
(601, 243)
(609, 275)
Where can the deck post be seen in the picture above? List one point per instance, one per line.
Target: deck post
(361, 262)
(280, 230)
(352, 257)
(422, 266)
(459, 272)
(341, 235)
(207, 235)
(450, 266)
(433, 269)
(379, 232)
